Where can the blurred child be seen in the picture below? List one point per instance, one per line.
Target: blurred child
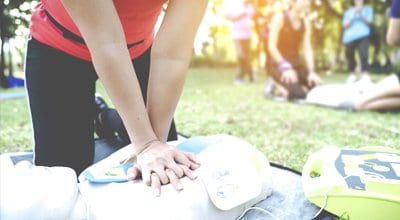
(240, 13)
(356, 24)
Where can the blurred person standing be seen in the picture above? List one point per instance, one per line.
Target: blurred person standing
(240, 13)
(356, 33)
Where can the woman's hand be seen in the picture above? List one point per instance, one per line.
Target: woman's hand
(313, 79)
(289, 77)
(160, 164)
(358, 9)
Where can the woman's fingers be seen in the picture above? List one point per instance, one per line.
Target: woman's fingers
(187, 159)
(146, 176)
(191, 157)
(174, 180)
(162, 164)
(162, 176)
(154, 180)
(176, 169)
(188, 172)
(133, 173)
(194, 162)
(155, 184)
(283, 78)
(148, 173)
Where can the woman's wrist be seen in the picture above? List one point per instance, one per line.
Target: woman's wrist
(142, 147)
(312, 71)
(312, 74)
(284, 65)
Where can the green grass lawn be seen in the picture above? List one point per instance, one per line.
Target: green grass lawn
(211, 104)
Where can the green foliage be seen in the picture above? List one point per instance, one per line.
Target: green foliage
(15, 13)
(327, 29)
(326, 18)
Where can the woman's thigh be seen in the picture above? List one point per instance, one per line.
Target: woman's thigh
(61, 98)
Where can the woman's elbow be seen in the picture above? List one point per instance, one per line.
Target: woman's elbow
(393, 33)
(393, 40)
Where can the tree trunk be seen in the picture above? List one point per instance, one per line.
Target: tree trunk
(10, 61)
(3, 79)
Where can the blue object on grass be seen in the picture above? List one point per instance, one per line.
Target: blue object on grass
(14, 82)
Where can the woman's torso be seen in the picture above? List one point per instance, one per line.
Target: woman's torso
(358, 27)
(241, 28)
(138, 18)
(290, 39)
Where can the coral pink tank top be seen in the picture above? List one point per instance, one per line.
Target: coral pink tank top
(50, 22)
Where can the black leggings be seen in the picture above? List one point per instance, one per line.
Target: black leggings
(61, 91)
(362, 46)
(244, 59)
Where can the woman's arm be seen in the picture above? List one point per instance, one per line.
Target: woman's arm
(102, 31)
(170, 56)
(308, 50)
(235, 17)
(288, 74)
(273, 36)
(171, 52)
(393, 32)
(312, 79)
(368, 16)
(348, 19)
